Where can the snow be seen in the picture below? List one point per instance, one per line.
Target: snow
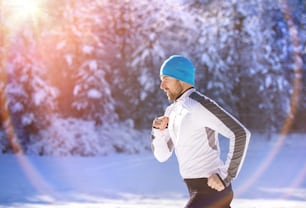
(60, 45)
(69, 59)
(94, 94)
(93, 65)
(273, 175)
(87, 49)
(27, 119)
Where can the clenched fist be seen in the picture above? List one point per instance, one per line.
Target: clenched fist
(215, 182)
(160, 122)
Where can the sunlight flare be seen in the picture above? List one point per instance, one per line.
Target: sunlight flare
(25, 7)
(21, 12)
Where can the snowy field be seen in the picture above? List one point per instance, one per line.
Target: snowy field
(273, 176)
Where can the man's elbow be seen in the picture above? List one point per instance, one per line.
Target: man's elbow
(248, 135)
(161, 157)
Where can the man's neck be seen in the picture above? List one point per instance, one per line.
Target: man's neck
(183, 91)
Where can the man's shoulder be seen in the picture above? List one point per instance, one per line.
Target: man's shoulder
(194, 99)
(197, 96)
(202, 99)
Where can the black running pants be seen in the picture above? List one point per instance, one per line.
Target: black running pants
(202, 196)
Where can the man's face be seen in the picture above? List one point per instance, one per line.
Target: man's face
(171, 86)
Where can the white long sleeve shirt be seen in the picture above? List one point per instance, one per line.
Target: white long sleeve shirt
(194, 124)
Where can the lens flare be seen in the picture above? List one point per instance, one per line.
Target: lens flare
(23, 8)
(294, 102)
(15, 15)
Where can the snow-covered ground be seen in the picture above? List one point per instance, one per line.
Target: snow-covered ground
(273, 175)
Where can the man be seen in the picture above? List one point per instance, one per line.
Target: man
(190, 126)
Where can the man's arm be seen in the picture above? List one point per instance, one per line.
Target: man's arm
(162, 145)
(222, 122)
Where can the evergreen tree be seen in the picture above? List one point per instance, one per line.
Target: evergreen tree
(28, 97)
(78, 68)
(99, 61)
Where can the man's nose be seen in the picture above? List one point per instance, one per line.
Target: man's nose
(162, 85)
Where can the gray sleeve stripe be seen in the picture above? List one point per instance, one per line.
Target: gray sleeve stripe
(170, 145)
(233, 125)
(211, 136)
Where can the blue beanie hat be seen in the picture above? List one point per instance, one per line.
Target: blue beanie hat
(178, 67)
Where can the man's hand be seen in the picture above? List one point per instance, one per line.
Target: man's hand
(160, 122)
(215, 182)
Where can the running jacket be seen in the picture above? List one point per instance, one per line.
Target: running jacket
(194, 124)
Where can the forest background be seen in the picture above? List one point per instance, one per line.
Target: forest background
(70, 69)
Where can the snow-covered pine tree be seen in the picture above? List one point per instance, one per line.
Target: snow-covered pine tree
(28, 96)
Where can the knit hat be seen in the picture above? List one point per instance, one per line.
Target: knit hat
(178, 67)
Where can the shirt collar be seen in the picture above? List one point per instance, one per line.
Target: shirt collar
(186, 93)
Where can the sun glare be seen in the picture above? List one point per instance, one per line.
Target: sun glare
(25, 8)
(22, 10)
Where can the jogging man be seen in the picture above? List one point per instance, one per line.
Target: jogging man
(190, 127)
